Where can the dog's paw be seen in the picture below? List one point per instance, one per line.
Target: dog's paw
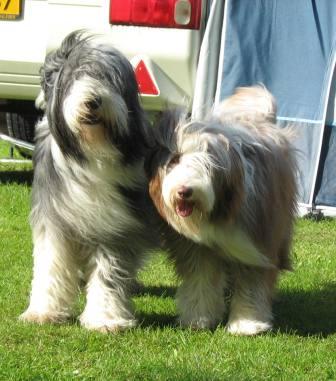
(30, 316)
(107, 325)
(198, 323)
(248, 327)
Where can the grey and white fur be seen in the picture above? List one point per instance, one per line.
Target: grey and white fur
(227, 185)
(90, 197)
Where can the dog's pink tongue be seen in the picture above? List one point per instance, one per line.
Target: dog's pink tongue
(184, 208)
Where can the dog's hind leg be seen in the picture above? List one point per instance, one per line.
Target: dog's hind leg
(55, 278)
(251, 304)
(108, 305)
(200, 298)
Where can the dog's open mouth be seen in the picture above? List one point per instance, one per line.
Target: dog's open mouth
(184, 208)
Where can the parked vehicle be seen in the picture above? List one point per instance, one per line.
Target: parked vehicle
(160, 37)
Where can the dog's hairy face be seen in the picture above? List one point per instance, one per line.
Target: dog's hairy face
(187, 183)
(91, 97)
(198, 181)
(93, 111)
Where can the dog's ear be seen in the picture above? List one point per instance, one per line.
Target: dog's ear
(228, 182)
(48, 73)
(54, 60)
(155, 192)
(164, 139)
(151, 163)
(167, 126)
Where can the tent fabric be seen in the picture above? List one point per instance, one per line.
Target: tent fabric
(290, 47)
(326, 193)
(326, 188)
(206, 76)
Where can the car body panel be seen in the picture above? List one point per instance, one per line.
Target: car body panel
(170, 54)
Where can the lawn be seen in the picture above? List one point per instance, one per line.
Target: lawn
(302, 345)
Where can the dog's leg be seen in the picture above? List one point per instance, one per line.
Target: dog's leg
(55, 279)
(108, 306)
(251, 305)
(200, 298)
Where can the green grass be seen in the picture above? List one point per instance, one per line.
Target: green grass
(301, 347)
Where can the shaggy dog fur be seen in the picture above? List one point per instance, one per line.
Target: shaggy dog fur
(227, 186)
(90, 194)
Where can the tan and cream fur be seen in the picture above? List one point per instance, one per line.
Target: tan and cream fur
(227, 187)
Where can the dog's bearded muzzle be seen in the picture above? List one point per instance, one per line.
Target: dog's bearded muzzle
(188, 200)
(186, 192)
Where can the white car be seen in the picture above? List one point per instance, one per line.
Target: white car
(160, 37)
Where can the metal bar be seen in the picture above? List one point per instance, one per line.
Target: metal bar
(15, 161)
(17, 142)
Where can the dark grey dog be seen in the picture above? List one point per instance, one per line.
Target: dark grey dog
(90, 194)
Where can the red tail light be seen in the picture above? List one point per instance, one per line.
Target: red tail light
(157, 13)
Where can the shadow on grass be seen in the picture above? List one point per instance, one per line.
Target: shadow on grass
(156, 320)
(160, 291)
(306, 313)
(16, 177)
(297, 312)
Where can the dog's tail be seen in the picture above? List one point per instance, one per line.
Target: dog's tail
(248, 104)
(255, 109)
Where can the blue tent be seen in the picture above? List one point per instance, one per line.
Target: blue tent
(290, 47)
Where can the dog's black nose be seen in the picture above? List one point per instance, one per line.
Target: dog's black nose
(94, 103)
(185, 192)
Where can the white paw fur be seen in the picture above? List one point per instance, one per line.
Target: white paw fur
(247, 327)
